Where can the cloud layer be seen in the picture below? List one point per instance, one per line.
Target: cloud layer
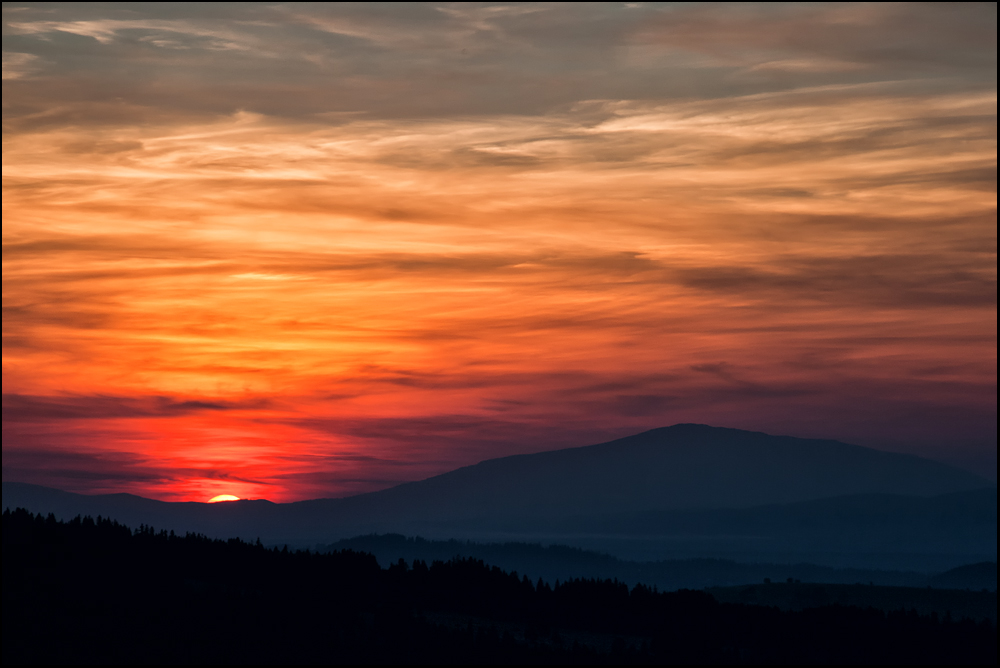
(301, 250)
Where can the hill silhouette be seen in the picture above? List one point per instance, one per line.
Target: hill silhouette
(742, 491)
(89, 591)
(684, 466)
(559, 562)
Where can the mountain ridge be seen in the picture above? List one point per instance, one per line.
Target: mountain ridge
(736, 483)
(745, 490)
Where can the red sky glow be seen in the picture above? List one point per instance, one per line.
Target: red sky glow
(303, 251)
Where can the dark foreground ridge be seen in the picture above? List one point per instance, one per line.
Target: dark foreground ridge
(89, 591)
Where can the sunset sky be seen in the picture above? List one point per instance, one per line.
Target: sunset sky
(293, 251)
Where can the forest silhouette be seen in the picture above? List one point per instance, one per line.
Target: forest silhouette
(87, 591)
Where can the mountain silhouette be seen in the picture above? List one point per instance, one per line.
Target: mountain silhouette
(684, 466)
(682, 480)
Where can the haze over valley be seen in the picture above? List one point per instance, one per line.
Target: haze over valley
(681, 492)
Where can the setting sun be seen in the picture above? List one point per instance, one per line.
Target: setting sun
(281, 249)
(223, 497)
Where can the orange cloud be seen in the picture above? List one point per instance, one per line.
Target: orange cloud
(309, 301)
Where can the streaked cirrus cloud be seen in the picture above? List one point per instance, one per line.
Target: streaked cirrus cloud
(307, 250)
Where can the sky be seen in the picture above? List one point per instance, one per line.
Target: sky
(291, 251)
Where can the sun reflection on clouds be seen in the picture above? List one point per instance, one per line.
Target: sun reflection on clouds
(308, 300)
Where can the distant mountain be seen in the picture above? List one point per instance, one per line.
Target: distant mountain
(684, 466)
(706, 490)
(559, 562)
(971, 576)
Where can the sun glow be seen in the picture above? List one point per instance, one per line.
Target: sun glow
(347, 286)
(223, 497)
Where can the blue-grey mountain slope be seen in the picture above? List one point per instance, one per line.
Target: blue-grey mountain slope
(684, 466)
(692, 486)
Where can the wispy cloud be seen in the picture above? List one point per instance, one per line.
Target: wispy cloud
(20, 408)
(302, 244)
